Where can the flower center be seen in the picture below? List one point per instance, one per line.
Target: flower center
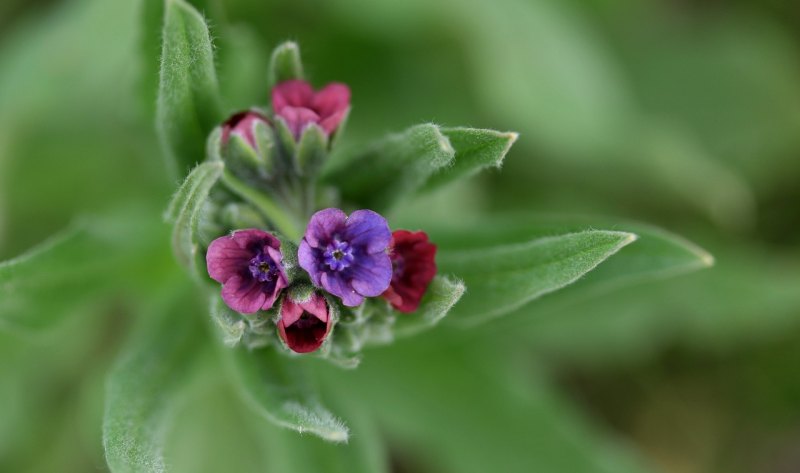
(263, 268)
(338, 255)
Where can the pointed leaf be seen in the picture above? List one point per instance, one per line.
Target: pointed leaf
(188, 105)
(393, 167)
(503, 278)
(442, 295)
(476, 150)
(142, 388)
(184, 212)
(276, 388)
(285, 63)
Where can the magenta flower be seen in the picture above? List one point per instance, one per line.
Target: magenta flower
(243, 125)
(303, 325)
(248, 265)
(413, 268)
(347, 255)
(297, 103)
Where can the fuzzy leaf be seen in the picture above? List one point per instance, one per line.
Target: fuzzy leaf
(230, 325)
(66, 269)
(393, 167)
(285, 63)
(141, 391)
(656, 253)
(476, 150)
(503, 278)
(442, 295)
(276, 388)
(184, 211)
(188, 104)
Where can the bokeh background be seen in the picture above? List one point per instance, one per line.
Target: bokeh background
(684, 114)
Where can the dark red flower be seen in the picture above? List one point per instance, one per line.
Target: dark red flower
(413, 269)
(303, 325)
(299, 106)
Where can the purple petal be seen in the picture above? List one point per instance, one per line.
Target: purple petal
(290, 311)
(308, 259)
(367, 229)
(333, 98)
(243, 295)
(337, 286)
(323, 226)
(317, 307)
(229, 255)
(372, 275)
(293, 93)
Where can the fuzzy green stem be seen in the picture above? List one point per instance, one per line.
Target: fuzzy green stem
(284, 222)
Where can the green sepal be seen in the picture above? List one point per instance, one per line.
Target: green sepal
(285, 63)
(312, 150)
(442, 294)
(286, 165)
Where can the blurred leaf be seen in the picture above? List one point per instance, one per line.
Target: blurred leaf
(72, 269)
(393, 167)
(184, 212)
(503, 278)
(141, 390)
(285, 63)
(442, 295)
(276, 388)
(188, 105)
(475, 411)
(476, 149)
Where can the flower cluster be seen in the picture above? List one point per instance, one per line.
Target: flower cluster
(351, 258)
(340, 260)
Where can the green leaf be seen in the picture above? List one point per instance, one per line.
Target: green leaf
(392, 168)
(77, 268)
(188, 105)
(503, 278)
(476, 150)
(185, 209)
(442, 295)
(276, 388)
(285, 63)
(142, 389)
(655, 254)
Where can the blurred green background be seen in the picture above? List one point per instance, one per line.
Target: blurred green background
(683, 114)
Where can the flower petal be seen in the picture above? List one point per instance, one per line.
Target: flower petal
(372, 275)
(335, 284)
(331, 99)
(294, 93)
(369, 230)
(324, 226)
(243, 295)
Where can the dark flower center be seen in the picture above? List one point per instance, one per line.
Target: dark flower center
(338, 255)
(263, 268)
(306, 334)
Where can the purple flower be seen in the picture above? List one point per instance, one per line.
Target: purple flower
(248, 265)
(347, 255)
(414, 267)
(297, 103)
(243, 125)
(303, 325)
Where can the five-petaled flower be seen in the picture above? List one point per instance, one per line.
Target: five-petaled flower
(347, 256)
(303, 325)
(413, 268)
(299, 106)
(248, 264)
(243, 125)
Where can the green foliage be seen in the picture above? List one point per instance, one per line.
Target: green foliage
(441, 296)
(278, 391)
(185, 210)
(188, 96)
(143, 388)
(503, 278)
